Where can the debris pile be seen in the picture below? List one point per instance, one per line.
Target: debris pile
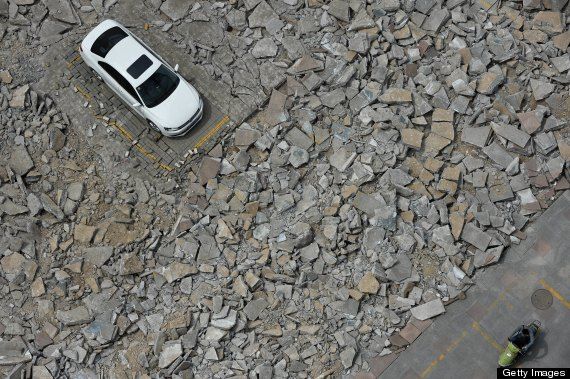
(404, 147)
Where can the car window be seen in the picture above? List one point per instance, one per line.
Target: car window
(105, 42)
(158, 86)
(158, 57)
(120, 79)
(139, 66)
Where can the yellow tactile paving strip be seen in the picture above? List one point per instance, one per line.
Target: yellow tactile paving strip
(212, 132)
(122, 130)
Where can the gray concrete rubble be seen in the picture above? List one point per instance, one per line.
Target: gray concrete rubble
(398, 148)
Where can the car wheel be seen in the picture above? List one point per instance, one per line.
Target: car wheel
(97, 75)
(153, 126)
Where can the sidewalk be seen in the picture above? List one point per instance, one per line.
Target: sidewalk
(466, 341)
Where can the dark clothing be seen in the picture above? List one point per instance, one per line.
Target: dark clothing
(523, 338)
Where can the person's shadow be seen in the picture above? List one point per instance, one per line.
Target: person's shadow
(537, 351)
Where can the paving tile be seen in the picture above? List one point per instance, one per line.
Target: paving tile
(477, 310)
(421, 325)
(172, 150)
(410, 374)
(542, 247)
(379, 364)
(509, 278)
(410, 332)
(363, 375)
(398, 341)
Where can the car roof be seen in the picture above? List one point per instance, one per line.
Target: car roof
(124, 53)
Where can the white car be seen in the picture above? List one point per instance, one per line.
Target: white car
(142, 79)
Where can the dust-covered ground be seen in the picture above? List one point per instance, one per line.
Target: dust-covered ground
(405, 146)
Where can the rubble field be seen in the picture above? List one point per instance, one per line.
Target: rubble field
(404, 147)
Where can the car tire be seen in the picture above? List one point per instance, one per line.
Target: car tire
(97, 75)
(153, 126)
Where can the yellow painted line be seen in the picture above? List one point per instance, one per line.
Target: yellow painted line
(441, 356)
(431, 366)
(476, 326)
(209, 135)
(121, 129)
(555, 293)
(72, 62)
(166, 167)
(500, 297)
(83, 92)
(152, 157)
(145, 152)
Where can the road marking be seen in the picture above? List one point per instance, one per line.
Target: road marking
(153, 157)
(431, 366)
(83, 92)
(123, 131)
(555, 293)
(476, 326)
(145, 152)
(213, 131)
(501, 297)
(72, 62)
(166, 167)
(441, 356)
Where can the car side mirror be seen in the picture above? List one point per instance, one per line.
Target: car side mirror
(176, 67)
(136, 105)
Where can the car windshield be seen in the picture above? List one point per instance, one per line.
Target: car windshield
(107, 40)
(158, 86)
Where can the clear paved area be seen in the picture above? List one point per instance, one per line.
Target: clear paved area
(466, 341)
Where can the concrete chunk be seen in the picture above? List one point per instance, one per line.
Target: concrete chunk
(340, 10)
(428, 310)
(477, 136)
(254, 308)
(20, 161)
(396, 96)
(476, 237)
(498, 154)
(516, 136)
(75, 316)
(19, 97)
(342, 158)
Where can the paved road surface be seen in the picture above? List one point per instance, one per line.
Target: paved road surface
(466, 341)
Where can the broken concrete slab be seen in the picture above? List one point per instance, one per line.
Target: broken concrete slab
(498, 154)
(428, 310)
(175, 9)
(475, 236)
(477, 136)
(516, 136)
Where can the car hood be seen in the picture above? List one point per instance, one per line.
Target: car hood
(178, 108)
